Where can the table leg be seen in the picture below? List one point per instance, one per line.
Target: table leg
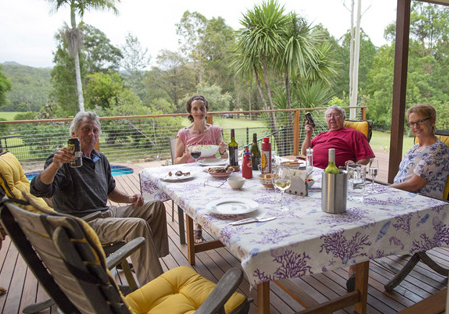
(190, 241)
(361, 284)
(263, 298)
(182, 236)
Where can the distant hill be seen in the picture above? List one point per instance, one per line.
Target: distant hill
(30, 87)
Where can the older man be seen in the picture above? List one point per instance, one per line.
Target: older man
(350, 145)
(83, 190)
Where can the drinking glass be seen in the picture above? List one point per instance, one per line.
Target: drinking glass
(373, 170)
(356, 181)
(195, 153)
(282, 182)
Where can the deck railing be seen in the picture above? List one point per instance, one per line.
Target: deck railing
(133, 139)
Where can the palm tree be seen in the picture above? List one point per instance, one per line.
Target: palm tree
(73, 35)
(259, 43)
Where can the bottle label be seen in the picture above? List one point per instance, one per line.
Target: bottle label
(266, 162)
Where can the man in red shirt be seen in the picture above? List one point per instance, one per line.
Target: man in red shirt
(350, 145)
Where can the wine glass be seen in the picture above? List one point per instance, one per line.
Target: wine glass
(282, 181)
(373, 170)
(195, 153)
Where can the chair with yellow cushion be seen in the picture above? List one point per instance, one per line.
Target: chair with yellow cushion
(80, 281)
(13, 182)
(363, 126)
(443, 135)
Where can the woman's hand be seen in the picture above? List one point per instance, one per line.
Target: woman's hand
(222, 148)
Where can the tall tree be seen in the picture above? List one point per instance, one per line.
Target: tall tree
(5, 85)
(259, 43)
(135, 60)
(97, 55)
(73, 35)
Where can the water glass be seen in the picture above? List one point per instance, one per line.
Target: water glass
(356, 182)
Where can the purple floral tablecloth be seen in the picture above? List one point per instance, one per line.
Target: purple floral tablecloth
(305, 240)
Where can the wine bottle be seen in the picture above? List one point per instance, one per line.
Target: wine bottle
(233, 150)
(255, 153)
(331, 167)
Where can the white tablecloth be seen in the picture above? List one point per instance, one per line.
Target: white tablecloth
(305, 240)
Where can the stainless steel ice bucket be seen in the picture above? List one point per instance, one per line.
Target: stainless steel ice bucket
(334, 192)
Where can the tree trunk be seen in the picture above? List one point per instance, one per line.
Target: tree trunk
(79, 86)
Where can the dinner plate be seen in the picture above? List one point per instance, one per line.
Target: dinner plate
(232, 206)
(220, 174)
(175, 178)
(213, 162)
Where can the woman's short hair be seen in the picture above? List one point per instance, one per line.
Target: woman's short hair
(91, 116)
(191, 100)
(424, 110)
(340, 109)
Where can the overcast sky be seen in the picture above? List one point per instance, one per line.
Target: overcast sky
(27, 27)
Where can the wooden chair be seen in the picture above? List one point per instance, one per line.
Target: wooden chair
(13, 183)
(363, 126)
(443, 135)
(66, 256)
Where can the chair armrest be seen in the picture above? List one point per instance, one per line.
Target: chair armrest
(227, 285)
(122, 253)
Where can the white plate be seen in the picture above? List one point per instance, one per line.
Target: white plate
(233, 206)
(213, 162)
(175, 178)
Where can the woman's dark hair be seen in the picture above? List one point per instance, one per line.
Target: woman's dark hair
(191, 100)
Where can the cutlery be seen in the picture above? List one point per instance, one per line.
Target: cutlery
(250, 220)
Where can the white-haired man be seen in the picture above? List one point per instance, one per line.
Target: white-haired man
(81, 191)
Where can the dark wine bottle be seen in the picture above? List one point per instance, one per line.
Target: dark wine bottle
(255, 153)
(233, 150)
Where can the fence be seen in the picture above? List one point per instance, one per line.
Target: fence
(134, 139)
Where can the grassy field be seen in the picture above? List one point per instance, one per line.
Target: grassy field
(381, 141)
(8, 115)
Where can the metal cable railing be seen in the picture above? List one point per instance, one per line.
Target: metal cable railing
(135, 139)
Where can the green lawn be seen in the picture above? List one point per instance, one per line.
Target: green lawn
(8, 115)
(381, 141)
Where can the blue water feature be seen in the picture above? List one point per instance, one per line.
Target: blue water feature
(115, 170)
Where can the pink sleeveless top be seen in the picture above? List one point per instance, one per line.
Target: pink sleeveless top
(210, 137)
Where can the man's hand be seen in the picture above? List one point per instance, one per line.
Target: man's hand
(136, 200)
(309, 129)
(63, 156)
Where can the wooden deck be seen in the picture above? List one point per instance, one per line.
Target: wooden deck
(23, 288)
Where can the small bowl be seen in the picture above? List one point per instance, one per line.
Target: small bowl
(236, 182)
(310, 183)
(266, 180)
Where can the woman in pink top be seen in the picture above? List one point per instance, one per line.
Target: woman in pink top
(199, 133)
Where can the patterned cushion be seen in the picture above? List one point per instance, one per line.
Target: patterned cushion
(178, 291)
(13, 181)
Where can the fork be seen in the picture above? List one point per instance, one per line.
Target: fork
(251, 220)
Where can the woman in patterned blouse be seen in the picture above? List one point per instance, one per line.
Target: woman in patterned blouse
(424, 169)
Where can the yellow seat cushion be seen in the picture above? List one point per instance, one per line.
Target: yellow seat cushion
(178, 291)
(361, 126)
(13, 181)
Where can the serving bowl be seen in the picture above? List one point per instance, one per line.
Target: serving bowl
(206, 150)
(266, 180)
(236, 182)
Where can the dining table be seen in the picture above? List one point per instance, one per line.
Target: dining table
(302, 240)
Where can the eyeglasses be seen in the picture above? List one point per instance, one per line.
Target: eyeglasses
(333, 115)
(417, 123)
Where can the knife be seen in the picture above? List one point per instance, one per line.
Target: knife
(250, 220)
